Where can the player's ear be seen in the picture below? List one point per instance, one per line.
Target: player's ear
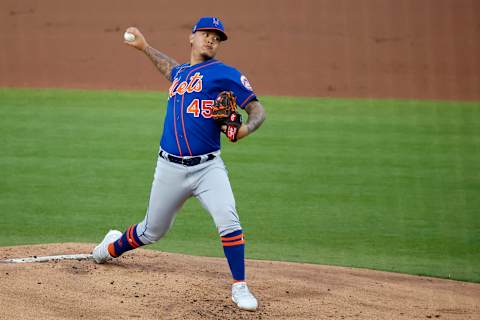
(191, 38)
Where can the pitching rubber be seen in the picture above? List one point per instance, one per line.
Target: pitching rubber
(49, 258)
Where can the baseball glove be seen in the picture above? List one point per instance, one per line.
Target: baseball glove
(225, 114)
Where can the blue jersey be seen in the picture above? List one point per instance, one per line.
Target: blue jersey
(188, 129)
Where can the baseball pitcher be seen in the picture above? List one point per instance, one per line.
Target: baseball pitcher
(203, 102)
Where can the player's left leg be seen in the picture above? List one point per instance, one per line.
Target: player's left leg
(214, 191)
(168, 193)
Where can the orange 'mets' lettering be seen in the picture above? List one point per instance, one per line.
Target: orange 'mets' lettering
(194, 85)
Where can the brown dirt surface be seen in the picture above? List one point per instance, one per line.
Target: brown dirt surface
(147, 284)
(327, 48)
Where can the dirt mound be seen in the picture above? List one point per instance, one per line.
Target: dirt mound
(148, 284)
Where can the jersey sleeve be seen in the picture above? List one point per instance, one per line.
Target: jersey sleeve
(242, 89)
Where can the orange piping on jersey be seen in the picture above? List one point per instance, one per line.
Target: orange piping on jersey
(184, 131)
(175, 127)
(183, 123)
(241, 105)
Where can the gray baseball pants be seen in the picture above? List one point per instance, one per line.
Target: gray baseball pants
(174, 183)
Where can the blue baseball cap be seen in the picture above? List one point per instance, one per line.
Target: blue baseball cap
(211, 23)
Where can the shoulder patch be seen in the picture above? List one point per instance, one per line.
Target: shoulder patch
(245, 82)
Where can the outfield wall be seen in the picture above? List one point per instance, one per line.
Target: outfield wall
(411, 49)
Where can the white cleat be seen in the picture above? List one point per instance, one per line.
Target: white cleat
(243, 298)
(100, 253)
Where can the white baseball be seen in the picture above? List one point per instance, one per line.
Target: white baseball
(129, 37)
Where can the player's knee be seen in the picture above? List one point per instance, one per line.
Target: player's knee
(227, 223)
(225, 215)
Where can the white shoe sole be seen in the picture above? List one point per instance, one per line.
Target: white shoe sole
(102, 257)
(245, 308)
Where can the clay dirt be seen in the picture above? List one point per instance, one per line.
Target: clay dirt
(148, 284)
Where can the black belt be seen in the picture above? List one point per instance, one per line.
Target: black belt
(185, 161)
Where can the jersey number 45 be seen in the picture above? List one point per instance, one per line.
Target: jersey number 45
(204, 108)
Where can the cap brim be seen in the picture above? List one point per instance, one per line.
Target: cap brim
(223, 35)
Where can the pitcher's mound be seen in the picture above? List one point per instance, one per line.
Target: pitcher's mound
(148, 284)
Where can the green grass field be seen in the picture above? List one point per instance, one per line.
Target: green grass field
(381, 184)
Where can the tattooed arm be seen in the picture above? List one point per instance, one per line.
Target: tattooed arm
(256, 116)
(164, 63)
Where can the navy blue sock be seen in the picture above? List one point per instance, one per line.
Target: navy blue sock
(234, 249)
(128, 241)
